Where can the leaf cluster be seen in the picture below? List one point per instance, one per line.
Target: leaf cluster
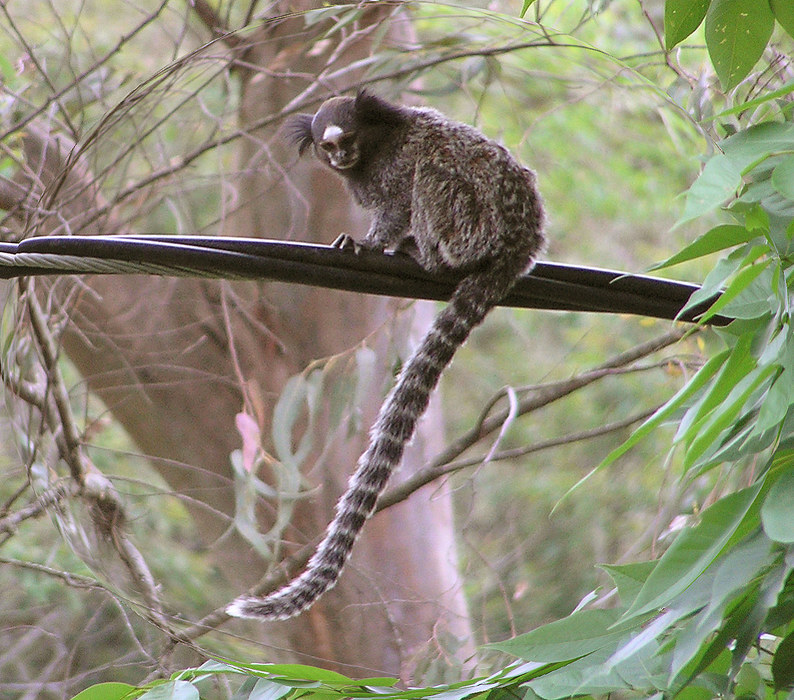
(736, 31)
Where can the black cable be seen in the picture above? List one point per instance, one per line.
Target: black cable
(551, 286)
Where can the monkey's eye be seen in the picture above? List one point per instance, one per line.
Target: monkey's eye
(342, 143)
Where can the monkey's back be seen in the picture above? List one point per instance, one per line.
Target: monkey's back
(464, 197)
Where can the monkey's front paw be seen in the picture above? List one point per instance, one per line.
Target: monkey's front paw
(345, 241)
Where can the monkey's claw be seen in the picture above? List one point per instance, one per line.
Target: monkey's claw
(345, 241)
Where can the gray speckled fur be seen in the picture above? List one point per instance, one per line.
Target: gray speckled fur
(452, 198)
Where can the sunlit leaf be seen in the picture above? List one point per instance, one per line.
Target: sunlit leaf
(739, 283)
(739, 363)
(737, 32)
(724, 418)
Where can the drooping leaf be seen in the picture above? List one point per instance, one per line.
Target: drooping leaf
(716, 239)
(739, 362)
(738, 567)
(737, 32)
(724, 418)
(684, 394)
(681, 18)
(693, 551)
(738, 285)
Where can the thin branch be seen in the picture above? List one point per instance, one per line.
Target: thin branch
(550, 393)
(213, 22)
(536, 447)
(74, 580)
(107, 509)
(113, 52)
(10, 523)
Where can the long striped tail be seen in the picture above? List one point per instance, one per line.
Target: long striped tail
(474, 297)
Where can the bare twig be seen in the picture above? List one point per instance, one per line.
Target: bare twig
(11, 522)
(106, 507)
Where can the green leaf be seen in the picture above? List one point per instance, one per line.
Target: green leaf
(693, 551)
(105, 691)
(720, 179)
(756, 301)
(739, 283)
(577, 635)
(737, 32)
(784, 14)
(725, 417)
(527, 4)
(750, 147)
(751, 104)
(265, 689)
(777, 512)
(738, 365)
(783, 664)
(783, 177)
(739, 566)
(714, 240)
(681, 18)
(629, 578)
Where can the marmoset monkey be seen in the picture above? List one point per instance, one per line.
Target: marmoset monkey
(453, 199)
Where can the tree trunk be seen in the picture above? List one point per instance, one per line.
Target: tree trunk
(176, 360)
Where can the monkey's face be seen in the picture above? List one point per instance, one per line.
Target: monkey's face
(335, 133)
(339, 147)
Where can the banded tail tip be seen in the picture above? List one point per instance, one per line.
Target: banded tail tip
(256, 609)
(241, 607)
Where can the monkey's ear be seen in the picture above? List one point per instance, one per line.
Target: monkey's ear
(298, 130)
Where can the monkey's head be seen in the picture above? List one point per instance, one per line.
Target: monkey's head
(345, 129)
